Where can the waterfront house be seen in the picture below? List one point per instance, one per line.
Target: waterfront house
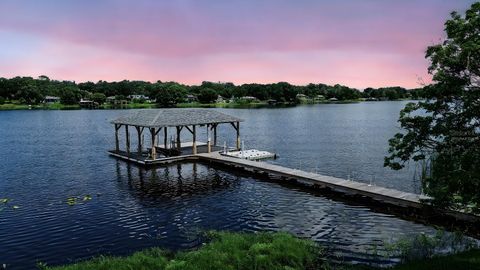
(220, 99)
(319, 98)
(138, 97)
(272, 102)
(86, 103)
(301, 97)
(51, 99)
(190, 99)
(249, 98)
(111, 99)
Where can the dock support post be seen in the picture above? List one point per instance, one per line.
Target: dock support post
(154, 143)
(194, 144)
(215, 134)
(238, 135)
(117, 143)
(179, 144)
(139, 145)
(209, 144)
(127, 141)
(165, 135)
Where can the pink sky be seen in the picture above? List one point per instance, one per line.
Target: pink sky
(368, 43)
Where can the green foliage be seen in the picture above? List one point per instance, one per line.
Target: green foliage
(252, 251)
(207, 95)
(2, 100)
(423, 246)
(168, 95)
(100, 98)
(467, 260)
(444, 130)
(390, 93)
(70, 95)
(145, 260)
(225, 251)
(28, 90)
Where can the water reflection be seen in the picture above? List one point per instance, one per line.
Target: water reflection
(183, 200)
(48, 156)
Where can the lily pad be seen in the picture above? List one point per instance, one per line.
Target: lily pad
(87, 198)
(15, 207)
(4, 200)
(72, 201)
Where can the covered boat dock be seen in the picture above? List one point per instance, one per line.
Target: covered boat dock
(162, 122)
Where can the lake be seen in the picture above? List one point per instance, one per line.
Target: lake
(48, 157)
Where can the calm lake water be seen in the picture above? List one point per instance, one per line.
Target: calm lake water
(49, 156)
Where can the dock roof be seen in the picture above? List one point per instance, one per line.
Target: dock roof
(174, 117)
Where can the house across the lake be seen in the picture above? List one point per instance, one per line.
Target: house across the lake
(86, 103)
(51, 99)
(138, 97)
(191, 98)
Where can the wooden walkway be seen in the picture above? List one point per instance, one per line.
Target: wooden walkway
(391, 196)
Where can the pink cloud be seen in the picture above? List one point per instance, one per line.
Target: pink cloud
(367, 43)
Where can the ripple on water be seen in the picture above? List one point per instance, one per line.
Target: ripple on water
(62, 155)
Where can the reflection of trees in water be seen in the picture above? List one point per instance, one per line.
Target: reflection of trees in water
(170, 182)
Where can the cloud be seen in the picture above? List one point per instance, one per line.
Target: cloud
(358, 43)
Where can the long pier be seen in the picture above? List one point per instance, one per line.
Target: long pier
(391, 201)
(321, 181)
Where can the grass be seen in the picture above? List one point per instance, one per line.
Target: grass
(255, 251)
(50, 106)
(10, 106)
(225, 251)
(231, 105)
(239, 105)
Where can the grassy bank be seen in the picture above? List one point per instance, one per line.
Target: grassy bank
(225, 251)
(255, 251)
(232, 105)
(53, 106)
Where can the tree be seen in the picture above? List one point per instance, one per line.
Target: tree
(70, 95)
(444, 130)
(99, 98)
(207, 95)
(169, 96)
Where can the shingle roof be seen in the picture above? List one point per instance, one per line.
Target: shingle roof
(174, 117)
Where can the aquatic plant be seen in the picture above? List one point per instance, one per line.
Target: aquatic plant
(424, 246)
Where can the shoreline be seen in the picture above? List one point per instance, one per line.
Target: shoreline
(256, 105)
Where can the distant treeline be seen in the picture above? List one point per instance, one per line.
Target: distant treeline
(28, 90)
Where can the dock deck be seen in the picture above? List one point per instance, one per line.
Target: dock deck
(337, 184)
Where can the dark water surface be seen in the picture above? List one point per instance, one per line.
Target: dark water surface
(50, 156)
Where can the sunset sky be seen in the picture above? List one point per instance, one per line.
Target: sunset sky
(359, 43)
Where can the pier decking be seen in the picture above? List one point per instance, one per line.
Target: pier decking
(337, 184)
